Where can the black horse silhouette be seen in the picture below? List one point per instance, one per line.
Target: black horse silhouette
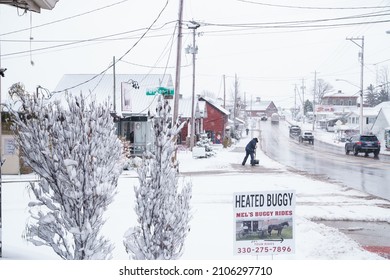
(278, 227)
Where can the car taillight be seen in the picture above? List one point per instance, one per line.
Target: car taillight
(358, 143)
(379, 143)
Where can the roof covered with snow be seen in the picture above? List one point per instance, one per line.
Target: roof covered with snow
(258, 106)
(340, 94)
(215, 104)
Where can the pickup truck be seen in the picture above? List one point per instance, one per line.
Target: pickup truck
(306, 136)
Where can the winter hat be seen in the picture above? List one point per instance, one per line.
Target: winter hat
(256, 140)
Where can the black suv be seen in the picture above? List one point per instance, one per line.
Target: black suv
(363, 144)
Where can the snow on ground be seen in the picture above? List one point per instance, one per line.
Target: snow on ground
(212, 226)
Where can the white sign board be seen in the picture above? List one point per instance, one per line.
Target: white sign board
(126, 89)
(9, 146)
(264, 223)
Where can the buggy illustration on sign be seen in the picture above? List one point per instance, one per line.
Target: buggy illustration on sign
(264, 223)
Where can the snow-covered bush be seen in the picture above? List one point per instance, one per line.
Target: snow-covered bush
(129, 161)
(76, 154)
(162, 206)
(126, 153)
(207, 144)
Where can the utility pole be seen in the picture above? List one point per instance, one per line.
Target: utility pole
(252, 126)
(1, 163)
(224, 92)
(114, 83)
(303, 99)
(361, 56)
(295, 102)
(235, 103)
(194, 49)
(314, 97)
(178, 65)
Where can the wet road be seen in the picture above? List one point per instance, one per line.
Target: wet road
(362, 173)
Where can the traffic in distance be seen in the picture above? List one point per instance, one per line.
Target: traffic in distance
(357, 161)
(359, 143)
(302, 135)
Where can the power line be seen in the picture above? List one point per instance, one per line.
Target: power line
(64, 19)
(301, 23)
(96, 39)
(249, 26)
(149, 66)
(313, 8)
(112, 64)
(308, 26)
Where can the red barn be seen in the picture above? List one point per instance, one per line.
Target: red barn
(210, 118)
(216, 121)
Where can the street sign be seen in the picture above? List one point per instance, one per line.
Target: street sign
(160, 90)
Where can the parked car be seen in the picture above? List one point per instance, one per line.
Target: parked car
(263, 118)
(306, 136)
(295, 131)
(363, 144)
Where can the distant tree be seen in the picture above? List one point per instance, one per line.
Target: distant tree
(162, 206)
(76, 153)
(322, 88)
(308, 107)
(382, 96)
(370, 96)
(384, 82)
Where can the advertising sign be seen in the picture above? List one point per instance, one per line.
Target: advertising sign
(9, 146)
(126, 97)
(264, 223)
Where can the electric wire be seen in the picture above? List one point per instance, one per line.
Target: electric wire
(149, 66)
(96, 39)
(313, 8)
(127, 52)
(65, 19)
(298, 24)
(166, 66)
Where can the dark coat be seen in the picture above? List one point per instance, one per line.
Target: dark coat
(251, 146)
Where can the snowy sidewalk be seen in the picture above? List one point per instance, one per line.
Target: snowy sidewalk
(214, 182)
(317, 200)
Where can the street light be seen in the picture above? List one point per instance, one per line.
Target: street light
(194, 50)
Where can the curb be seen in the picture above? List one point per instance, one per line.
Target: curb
(383, 251)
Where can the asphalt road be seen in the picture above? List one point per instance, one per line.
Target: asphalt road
(367, 174)
(330, 162)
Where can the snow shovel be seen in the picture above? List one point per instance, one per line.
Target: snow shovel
(255, 161)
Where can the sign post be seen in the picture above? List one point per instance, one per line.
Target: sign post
(264, 223)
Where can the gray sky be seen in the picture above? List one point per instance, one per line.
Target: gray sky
(271, 45)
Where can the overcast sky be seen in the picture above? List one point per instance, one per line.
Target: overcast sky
(272, 46)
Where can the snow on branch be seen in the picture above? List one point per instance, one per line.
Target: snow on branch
(76, 153)
(162, 205)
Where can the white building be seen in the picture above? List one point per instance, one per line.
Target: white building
(381, 127)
